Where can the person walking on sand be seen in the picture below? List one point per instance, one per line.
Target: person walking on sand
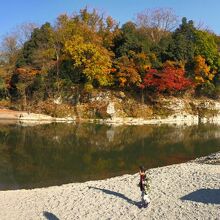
(144, 187)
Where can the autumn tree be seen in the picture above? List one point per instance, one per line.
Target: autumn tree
(12, 44)
(108, 31)
(202, 71)
(157, 23)
(8, 56)
(88, 49)
(23, 32)
(19, 85)
(9, 53)
(169, 80)
(204, 77)
(206, 46)
(127, 74)
(93, 60)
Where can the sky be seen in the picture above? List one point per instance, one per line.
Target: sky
(15, 12)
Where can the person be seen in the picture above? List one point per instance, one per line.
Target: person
(144, 187)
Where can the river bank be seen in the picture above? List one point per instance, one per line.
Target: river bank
(183, 191)
(30, 118)
(27, 118)
(115, 109)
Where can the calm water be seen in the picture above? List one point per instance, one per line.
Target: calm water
(55, 154)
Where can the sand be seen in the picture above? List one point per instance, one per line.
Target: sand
(184, 191)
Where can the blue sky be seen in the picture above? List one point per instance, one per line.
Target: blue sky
(15, 12)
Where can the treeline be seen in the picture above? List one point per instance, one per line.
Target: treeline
(156, 54)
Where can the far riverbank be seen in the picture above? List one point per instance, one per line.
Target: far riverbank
(28, 118)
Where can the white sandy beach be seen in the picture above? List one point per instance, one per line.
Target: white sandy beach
(184, 191)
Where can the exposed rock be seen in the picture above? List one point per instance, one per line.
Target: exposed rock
(111, 109)
(58, 101)
(118, 107)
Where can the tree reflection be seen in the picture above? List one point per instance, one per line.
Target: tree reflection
(54, 154)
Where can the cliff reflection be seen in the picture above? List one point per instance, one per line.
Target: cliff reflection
(61, 153)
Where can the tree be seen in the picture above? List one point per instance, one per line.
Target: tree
(108, 32)
(129, 40)
(170, 80)
(9, 53)
(182, 46)
(157, 22)
(23, 32)
(19, 84)
(93, 60)
(93, 28)
(161, 52)
(41, 39)
(12, 44)
(127, 73)
(202, 71)
(205, 46)
(3, 88)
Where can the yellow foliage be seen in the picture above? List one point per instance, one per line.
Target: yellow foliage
(27, 71)
(176, 64)
(202, 71)
(122, 81)
(2, 72)
(147, 67)
(128, 73)
(88, 87)
(94, 60)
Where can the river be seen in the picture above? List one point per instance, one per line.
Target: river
(54, 154)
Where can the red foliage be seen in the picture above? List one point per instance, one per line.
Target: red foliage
(170, 79)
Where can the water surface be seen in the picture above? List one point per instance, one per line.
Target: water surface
(55, 154)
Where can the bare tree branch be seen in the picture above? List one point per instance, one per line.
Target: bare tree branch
(157, 22)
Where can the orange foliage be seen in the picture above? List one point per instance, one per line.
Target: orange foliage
(27, 71)
(202, 71)
(128, 74)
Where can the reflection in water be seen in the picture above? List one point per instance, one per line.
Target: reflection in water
(54, 154)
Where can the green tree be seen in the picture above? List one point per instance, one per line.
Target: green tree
(40, 41)
(205, 45)
(182, 46)
(130, 39)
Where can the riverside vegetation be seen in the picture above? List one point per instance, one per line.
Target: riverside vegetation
(79, 64)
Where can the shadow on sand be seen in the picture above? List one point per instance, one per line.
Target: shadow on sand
(204, 196)
(120, 195)
(50, 216)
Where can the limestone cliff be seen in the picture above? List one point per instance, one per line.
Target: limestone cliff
(119, 107)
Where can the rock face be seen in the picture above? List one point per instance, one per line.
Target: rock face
(198, 110)
(111, 109)
(117, 107)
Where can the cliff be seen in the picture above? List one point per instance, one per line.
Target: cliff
(121, 108)
(118, 107)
